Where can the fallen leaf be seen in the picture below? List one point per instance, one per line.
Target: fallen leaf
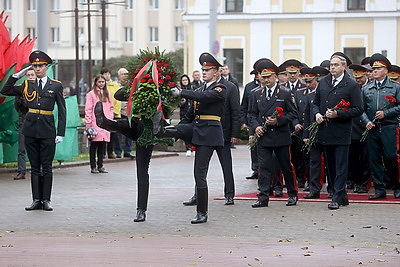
(367, 226)
(397, 250)
(256, 259)
(380, 260)
(352, 236)
(360, 263)
(306, 254)
(285, 240)
(304, 248)
(333, 246)
(382, 227)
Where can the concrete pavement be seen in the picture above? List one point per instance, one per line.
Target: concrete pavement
(92, 223)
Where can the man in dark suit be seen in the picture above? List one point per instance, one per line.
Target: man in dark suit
(275, 136)
(230, 121)
(334, 130)
(225, 73)
(41, 135)
(201, 126)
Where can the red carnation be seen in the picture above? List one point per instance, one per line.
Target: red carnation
(161, 81)
(280, 111)
(146, 59)
(172, 72)
(143, 80)
(171, 84)
(147, 75)
(150, 81)
(391, 99)
(167, 77)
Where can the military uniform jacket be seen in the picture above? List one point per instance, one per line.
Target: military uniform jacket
(298, 86)
(374, 99)
(337, 131)
(244, 106)
(206, 101)
(300, 98)
(231, 117)
(309, 115)
(39, 125)
(261, 108)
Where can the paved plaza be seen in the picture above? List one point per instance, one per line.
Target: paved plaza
(92, 222)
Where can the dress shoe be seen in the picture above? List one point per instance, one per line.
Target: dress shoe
(350, 185)
(201, 217)
(360, 189)
(191, 202)
(36, 205)
(140, 216)
(229, 201)
(118, 156)
(344, 202)
(396, 193)
(129, 155)
(111, 156)
(20, 176)
(94, 170)
(333, 205)
(292, 201)
(278, 193)
(102, 170)
(47, 205)
(377, 196)
(330, 195)
(260, 204)
(253, 176)
(312, 195)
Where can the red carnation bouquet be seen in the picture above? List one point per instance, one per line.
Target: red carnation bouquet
(277, 113)
(313, 127)
(390, 100)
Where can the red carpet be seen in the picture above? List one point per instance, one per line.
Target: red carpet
(353, 198)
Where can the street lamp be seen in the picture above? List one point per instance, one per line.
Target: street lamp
(82, 42)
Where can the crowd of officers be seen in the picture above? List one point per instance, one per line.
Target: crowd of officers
(338, 154)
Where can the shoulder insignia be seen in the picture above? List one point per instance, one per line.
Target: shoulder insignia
(57, 81)
(219, 89)
(305, 92)
(293, 101)
(278, 90)
(50, 91)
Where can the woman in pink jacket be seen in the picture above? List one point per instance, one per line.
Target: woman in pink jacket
(98, 93)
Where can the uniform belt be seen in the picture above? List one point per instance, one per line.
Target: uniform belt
(40, 111)
(208, 117)
(137, 116)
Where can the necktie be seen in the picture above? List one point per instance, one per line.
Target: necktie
(269, 93)
(379, 85)
(40, 85)
(292, 86)
(334, 82)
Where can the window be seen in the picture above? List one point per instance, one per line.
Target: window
(153, 4)
(153, 34)
(7, 5)
(128, 35)
(31, 5)
(55, 35)
(55, 5)
(356, 54)
(101, 36)
(179, 4)
(355, 4)
(234, 6)
(179, 35)
(32, 32)
(128, 4)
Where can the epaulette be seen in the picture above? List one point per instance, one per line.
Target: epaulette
(284, 88)
(57, 81)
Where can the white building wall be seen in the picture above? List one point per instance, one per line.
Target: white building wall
(384, 38)
(323, 41)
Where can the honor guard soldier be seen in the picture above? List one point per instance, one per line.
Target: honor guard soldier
(381, 125)
(201, 126)
(41, 135)
(394, 73)
(275, 137)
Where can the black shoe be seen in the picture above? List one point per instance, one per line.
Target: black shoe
(229, 201)
(306, 189)
(344, 202)
(260, 204)
(312, 195)
(129, 155)
(361, 190)
(278, 193)
(191, 202)
(253, 176)
(140, 216)
(350, 186)
(99, 114)
(36, 205)
(94, 170)
(102, 170)
(396, 193)
(333, 205)
(292, 201)
(300, 185)
(201, 217)
(377, 196)
(330, 195)
(271, 192)
(118, 156)
(47, 205)
(20, 176)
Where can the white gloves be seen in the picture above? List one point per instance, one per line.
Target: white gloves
(59, 139)
(175, 91)
(22, 72)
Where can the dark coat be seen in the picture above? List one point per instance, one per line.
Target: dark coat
(337, 131)
(261, 108)
(40, 125)
(206, 101)
(244, 106)
(231, 117)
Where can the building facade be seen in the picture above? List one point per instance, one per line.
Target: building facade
(131, 25)
(308, 30)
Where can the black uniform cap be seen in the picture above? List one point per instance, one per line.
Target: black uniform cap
(39, 58)
(394, 72)
(358, 70)
(292, 65)
(365, 61)
(348, 61)
(319, 71)
(379, 60)
(307, 75)
(208, 61)
(325, 64)
(266, 67)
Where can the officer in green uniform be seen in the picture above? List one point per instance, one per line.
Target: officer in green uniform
(381, 123)
(41, 135)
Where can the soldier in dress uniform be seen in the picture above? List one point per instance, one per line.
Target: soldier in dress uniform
(293, 67)
(275, 138)
(365, 63)
(41, 135)
(201, 126)
(311, 77)
(394, 73)
(381, 125)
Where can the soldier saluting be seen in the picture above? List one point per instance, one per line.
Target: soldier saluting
(39, 129)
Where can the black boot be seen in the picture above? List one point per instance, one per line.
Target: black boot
(140, 215)
(167, 132)
(191, 202)
(202, 204)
